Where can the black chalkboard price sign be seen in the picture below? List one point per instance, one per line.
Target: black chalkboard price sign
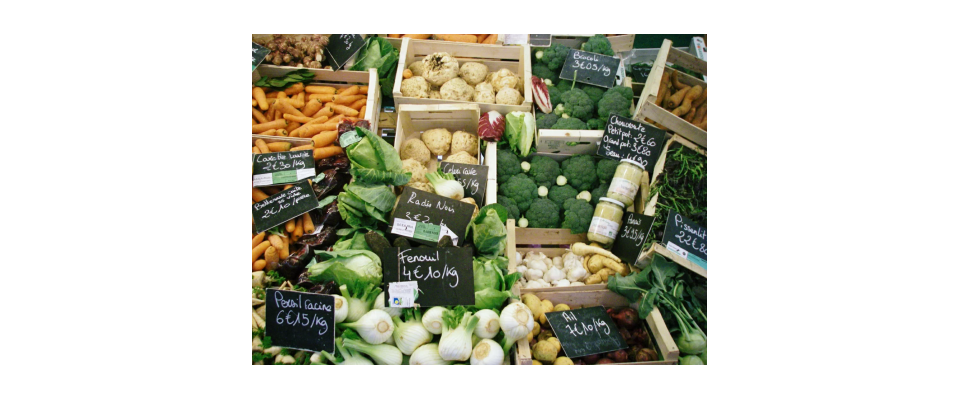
(284, 206)
(298, 320)
(633, 233)
(540, 40)
(282, 167)
(341, 48)
(625, 138)
(259, 53)
(591, 68)
(444, 275)
(472, 177)
(425, 217)
(685, 238)
(586, 331)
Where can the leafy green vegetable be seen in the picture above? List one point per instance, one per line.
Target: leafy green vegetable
(357, 266)
(374, 160)
(288, 79)
(682, 187)
(489, 231)
(362, 205)
(492, 287)
(380, 54)
(519, 132)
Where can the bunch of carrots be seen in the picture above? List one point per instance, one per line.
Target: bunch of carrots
(305, 112)
(482, 39)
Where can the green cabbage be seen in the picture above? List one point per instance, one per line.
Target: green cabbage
(489, 230)
(357, 266)
(374, 160)
(380, 54)
(492, 287)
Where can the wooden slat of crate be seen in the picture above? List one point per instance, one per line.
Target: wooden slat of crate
(294, 142)
(619, 43)
(412, 120)
(647, 256)
(647, 107)
(397, 42)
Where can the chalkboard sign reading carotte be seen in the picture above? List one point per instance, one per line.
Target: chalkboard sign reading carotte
(472, 177)
(284, 206)
(591, 68)
(298, 320)
(282, 167)
(425, 217)
(686, 239)
(341, 48)
(625, 138)
(444, 276)
(586, 331)
(633, 233)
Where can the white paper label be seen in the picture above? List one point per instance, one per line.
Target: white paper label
(676, 250)
(403, 227)
(604, 227)
(623, 187)
(402, 294)
(444, 231)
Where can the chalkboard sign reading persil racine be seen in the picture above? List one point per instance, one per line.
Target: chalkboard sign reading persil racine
(633, 233)
(586, 331)
(425, 217)
(283, 167)
(591, 68)
(444, 275)
(284, 206)
(299, 320)
(341, 48)
(625, 138)
(472, 177)
(686, 238)
(259, 53)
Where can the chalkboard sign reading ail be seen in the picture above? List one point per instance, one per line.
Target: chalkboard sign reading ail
(586, 331)
(444, 276)
(472, 177)
(341, 48)
(298, 320)
(625, 138)
(686, 239)
(591, 68)
(284, 206)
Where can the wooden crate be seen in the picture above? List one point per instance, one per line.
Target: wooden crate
(619, 43)
(412, 120)
(339, 79)
(397, 42)
(514, 58)
(672, 140)
(648, 97)
(558, 142)
(647, 256)
(655, 325)
(294, 141)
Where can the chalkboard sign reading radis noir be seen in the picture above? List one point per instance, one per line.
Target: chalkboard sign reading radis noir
(341, 48)
(298, 320)
(633, 232)
(425, 217)
(686, 239)
(625, 138)
(282, 167)
(444, 276)
(591, 68)
(586, 331)
(284, 206)
(472, 177)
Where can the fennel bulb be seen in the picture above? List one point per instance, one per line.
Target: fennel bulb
(378, 305)
(428, 354)
(382, 354)
(489, 324)
(456, 341)
(349, 357)
(341, 308)
(433, 320)
(487, 352)
(411, 334)
(516, 321)
(446, 185)
(359, 299)
(374, 327)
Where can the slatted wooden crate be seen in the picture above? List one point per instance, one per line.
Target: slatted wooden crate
(397, 42)
(619, 43)
(647, 107)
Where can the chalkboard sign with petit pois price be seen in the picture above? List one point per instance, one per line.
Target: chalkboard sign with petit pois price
(425, 217)
(284, 206)
(282, 167)
(633, 233)
(591, 68)
(299, 320)
(443, 275)
(472, 177)
(685, 238)
(586, 331)
(341, 48)
(624, 138)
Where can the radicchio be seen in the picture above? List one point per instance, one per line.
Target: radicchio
(491, 126)
(541, 95)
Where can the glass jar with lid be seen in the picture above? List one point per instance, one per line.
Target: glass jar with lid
(625, 182)
(605, 224)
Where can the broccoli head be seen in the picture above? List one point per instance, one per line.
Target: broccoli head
(560, 194)
(598, 44)
(553, 56)
(543, 213)
(521, 189)
(577, 104)
(595, 93)
(507, 165)
(600, 191)
(545, 121)
(577, 216)
(512, 211)
(544, 170)
(613, 103)
(563, 86)
(541, 71)
(596, 124)
(623, 91)
(554, 93)
(581, 172)
(572, 124)
(606, 168)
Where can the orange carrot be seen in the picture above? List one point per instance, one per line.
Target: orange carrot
(290, 226)
(279, 146)
(457, 38)
(308, 131)
(287, 107)
(324, 139)
(320, 89)
(285, 250)
(304, 147)
(256, 150)
(311, 107)
(350, 91)
(275, 241)
(259, 195)
(257, 239)
(272, 95)
(272, 256)
(480, 38)
(259, 116)
(258, 251)
(323, 97)
(363, 111)
(254, 104)
(363, 90)
(296, 118)
(297, 229)
(261, 98)
(359, 103)
(427, 36)
(324, 112)
(259, 265)
(262, 146)
(272, 132)
(492, 39)
(308, 227)
(280, 123)
(394, 35)
(324, 152)
(293, 89)
(347, 111)
(347, 100)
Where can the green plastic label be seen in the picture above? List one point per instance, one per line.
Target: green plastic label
(349, 138)
(428, 232)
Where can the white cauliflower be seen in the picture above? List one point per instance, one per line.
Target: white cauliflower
(504, 78)
(473, 73)
(484, 93)
(509, 96)
(414, 149)
(415, 87)
(456, 89)
(437, 140)
(464, 141)
(440, 68)
(416, 169)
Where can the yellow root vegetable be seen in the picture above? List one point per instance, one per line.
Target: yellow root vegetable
(258, 239)
(533, 303)
(279, 146)
(616, 267)
(258, 251)
(691, 95)
(582, 249)
(275, 241)
(266, 126)
(596, 263)
(262, 146)
(273, 258)
(261, 98)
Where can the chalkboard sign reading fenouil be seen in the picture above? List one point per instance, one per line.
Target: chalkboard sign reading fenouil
(282, 167)
(591, 68)
(633, 233)
(444, 275)
(472, 177)
(341, 48)
(625, 138)
(284, 206)
(298, 320)
(586, 331)
(425, 217)
(686, 239)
